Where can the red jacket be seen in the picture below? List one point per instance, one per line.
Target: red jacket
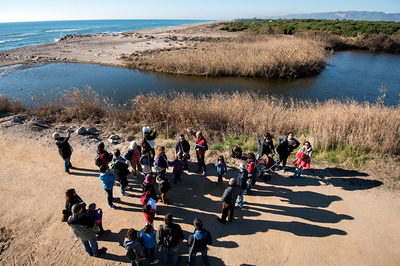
(201, 142)
(149, 217)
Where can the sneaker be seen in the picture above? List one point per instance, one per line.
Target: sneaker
(204, 173)
(116, 198)
(155, 262)
(125, 194)
(127, 187)
(283, 169)
(101, 250)
(113, 207)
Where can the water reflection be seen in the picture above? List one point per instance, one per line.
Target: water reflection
(357, 75)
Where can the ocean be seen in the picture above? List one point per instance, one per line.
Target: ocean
(19, 34)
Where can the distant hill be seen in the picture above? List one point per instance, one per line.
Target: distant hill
(349, 15)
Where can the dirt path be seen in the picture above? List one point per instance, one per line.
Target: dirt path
(330, 217)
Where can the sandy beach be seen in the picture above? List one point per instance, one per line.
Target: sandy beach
(107, 49)
(331, 216)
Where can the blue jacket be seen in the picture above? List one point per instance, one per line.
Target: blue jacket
(108, 179)
(149, 240)
(221, 167)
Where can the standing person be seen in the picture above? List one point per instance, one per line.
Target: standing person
(161, 163)
(148, 184)
(182, 146)
(265, 145)
(85, 229)
(132, 155)
(135, 250)
(198, 241)
(241, 182)
(96, 215)
(179, 166)
(252, 171)
(120, 169)
(286, 145)
(228, 201)
(221, 168)
(169, 235)
(71, 198)
(108, 178)
(303, 159)
(149, 242)
(103, 157)
(148, 144)
(145, 161)
(149, 214)
(200, 147)
(64, 149)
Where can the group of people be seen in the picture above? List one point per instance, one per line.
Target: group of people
(87, 224)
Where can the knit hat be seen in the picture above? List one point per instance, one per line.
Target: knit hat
(56, 135)
(148, 178)
(132, 145)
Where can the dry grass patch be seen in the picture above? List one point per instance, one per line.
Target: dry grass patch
(246, 56)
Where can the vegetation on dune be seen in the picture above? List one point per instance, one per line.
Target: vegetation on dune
(337, 34)
(246, 56)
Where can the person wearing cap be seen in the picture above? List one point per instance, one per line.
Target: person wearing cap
(85, 229)
(64, 149)
(182, 146)
(148, 144)
(241, 181)
(228, 201)
(200, 147)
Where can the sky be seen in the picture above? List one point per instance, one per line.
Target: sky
(48, 10)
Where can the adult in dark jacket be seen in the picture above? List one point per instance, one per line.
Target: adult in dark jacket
(198, 241)
(148, 144)
(64, 149)
(286, 145)
(265, 145)
(85, 229)
(228, 201)
(71, 198)
(169, 235)
(182, 146)
(200, 147)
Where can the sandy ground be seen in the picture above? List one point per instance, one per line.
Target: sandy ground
(106, 49)
(329, 217)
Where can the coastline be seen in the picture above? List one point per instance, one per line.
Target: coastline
(107, 49)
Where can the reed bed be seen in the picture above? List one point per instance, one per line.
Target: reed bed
(363, 127)
(247, 56)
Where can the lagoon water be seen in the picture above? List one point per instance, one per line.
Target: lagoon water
(356, 75)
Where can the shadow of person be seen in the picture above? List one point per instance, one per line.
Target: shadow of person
(114, 237)
(310, 214)
(352, 184)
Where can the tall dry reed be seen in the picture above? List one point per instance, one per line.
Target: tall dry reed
(365, 127)
(247, 56)
(8, 105)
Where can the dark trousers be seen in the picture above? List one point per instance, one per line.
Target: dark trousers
(149, 252)
(110, 197)
(200, 161)
(220, 177)
(227, 211)
(177, 177)
(283, 158)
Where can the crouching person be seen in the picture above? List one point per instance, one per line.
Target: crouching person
(85, 229)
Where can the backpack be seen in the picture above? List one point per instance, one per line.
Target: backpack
(136, 253)
(128, 155)
(98, 161)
